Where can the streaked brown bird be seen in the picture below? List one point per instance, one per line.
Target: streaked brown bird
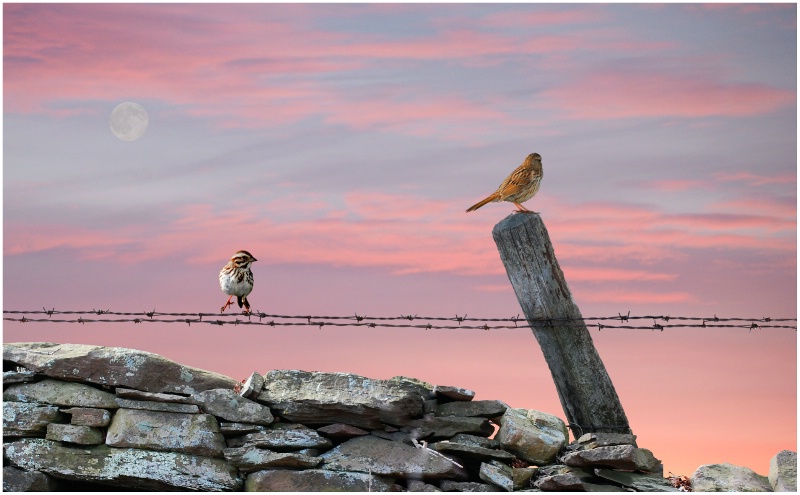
(520, 186)
(236, 279)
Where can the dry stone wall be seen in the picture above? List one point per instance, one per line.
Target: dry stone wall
(88, 417)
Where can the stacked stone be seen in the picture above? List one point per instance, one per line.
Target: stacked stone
(76, 416)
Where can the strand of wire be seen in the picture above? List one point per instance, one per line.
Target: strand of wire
(463, 322)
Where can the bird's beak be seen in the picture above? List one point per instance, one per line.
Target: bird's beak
(255, 259)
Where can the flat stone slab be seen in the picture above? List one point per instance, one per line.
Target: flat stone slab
(230, 429)
(165, 431)
(89, 416)
(370, 454)
(60, 394)
(230, 406)
(326, 398)
(23, 376)
(115, 366)
(82, 435)
(316, 480)
(283, 440)
(482, 408)
(129, 468)
(447, 426)
(27, 419)
(339, 431)
(593, 440)
(472, 451)
(453, 393)
(249, 459)
(636, 481)
(129, 393)
(625, 457)
(18, 480)
(148, 405)
(466, 486)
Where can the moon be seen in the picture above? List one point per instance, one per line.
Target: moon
(129, 121)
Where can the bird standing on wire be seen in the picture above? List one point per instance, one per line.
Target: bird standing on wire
(520, 186)
(236, 279)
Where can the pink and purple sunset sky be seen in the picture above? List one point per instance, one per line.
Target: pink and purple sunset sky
(341, 144)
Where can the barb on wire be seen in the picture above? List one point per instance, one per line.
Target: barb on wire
(258, 318)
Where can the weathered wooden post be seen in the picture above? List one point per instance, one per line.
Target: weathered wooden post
(584, 387)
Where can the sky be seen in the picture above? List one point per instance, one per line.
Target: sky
(341, 146)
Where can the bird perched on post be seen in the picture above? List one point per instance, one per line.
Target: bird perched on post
(520, 186)
(236, 279)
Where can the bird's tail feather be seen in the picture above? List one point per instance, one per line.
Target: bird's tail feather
(477, 205)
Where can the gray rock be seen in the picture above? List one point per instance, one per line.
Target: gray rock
(187, 433)
(569, 482)
(249, 459)
(625, 457)
(340, 431)
(25, 419)
(466, 451)
(326, 398)
(60, 394)
(315, 480)
(20, 376)
(636, 481)
(505, 477)
(129, 393)
(17, 480)
(447, 426)
(89, 416)
(130, 468)
(465, 486)
(147, 405)
(283, 440)
(557, 477)
(498, 475)
(728, 478)
(252, 386)
(234, 429)
(420, 486)
(82, 435)
(783, 471)
(230, 406)
(370, 454)
(593, 440)
(453, 393)
(482, 408)
(115, 366)
(533, 436)
(486, 443)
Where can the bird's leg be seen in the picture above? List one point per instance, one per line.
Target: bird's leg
(246, 306)
(229, 303)
(522, 209)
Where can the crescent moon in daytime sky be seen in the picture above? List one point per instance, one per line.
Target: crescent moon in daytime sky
(129, 121)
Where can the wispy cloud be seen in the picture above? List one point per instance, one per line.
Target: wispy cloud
(627, 93)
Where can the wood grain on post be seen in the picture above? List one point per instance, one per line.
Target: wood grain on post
(584, 387)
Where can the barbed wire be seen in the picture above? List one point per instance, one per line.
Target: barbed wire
(257, 318)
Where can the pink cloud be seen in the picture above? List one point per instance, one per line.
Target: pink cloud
(755, 179)
(626, 94)
(629, 297)
(590, 274)
(675, 185)
(409, 234)
(585, 14)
